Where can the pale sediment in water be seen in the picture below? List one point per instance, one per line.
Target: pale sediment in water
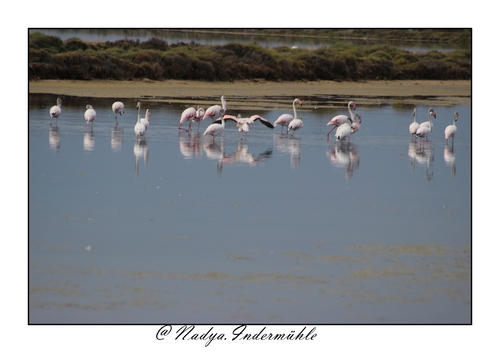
(260, 94)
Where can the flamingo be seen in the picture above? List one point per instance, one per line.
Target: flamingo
(145, 120)
(285, 119)
(356, 123)
(295, 124)
(139, 127)
(216, 111)
(451, 130)
(89, 114)
(243, 123)
(426, 127)
(341, 119)
(55, 111)
(414, 126)
(344, 131)
(215, 129)
(191, 114)
(118, 108)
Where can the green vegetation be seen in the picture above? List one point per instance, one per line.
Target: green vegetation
(155, 59)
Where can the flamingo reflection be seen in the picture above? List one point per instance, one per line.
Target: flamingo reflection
(190, 145)
(289, 146)
(88, 140)
(116, 138)
(54, 138)
(140, 151)
(344, 156)
(449, 159)
(214, 150)
(422, 153)
(243, 156)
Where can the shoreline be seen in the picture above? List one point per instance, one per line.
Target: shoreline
(267, 95)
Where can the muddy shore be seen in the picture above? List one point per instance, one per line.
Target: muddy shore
(267, 95)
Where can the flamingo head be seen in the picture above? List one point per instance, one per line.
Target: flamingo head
(455, 116)
(432, 112)
(138, 106)
(414, 112)
(199, 113)
(357, 118)
(352, 104)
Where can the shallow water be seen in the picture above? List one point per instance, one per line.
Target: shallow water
(269, 229)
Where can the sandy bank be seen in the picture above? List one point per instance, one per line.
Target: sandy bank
(267, 95)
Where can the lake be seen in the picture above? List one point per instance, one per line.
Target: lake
(266, 229)
(311, 43)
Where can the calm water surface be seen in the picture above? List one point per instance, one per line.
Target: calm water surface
(271, 229)
(112, 35)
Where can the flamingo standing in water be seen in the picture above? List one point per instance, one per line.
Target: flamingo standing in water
(145, 120)
(414, 126)
(215, 129)
(243, 124)
(295, 124)
(89, 114)
(451, 130)
(356, 123)
(139, 127)
(344, 131)
(426, 127)
(118, 108)
(285, 119)
(191, 114)
(55, 111)
(341, 119)
(216, 111)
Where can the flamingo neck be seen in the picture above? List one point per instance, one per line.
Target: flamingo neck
(350, 111)
(294, 111)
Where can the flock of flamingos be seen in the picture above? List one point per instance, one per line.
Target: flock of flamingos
(345, 125)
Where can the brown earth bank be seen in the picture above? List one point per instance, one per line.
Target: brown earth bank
(260, 94)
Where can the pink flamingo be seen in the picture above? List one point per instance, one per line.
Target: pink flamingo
(145, 120)
(191, 114)
(285, 119)
(344, 131)
(139, 128)
(216, 111)
(89, 114)
(118, 108)
(426, 127)
(55, 111)
(451, 130)
(243, 124)
(295, 124)
(215, 129)
(356, 123)
(341, 119)
(414, 126)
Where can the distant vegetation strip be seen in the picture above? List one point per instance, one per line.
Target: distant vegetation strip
(73, 59)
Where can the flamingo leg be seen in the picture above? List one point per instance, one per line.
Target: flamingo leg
(181, 128)
(328, 135)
